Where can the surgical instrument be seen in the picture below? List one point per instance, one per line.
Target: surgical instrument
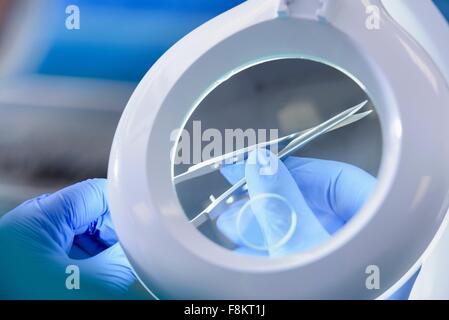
(214, 164)
(298, 141)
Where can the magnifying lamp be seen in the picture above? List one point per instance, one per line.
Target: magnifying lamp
(373, 44)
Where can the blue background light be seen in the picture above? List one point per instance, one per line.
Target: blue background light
(121, 39)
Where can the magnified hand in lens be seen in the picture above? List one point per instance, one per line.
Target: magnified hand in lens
(297, 207)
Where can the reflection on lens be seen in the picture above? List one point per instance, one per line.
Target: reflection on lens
(266, 222)
(287, 96)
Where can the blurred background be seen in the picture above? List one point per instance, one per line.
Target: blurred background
(62, 91)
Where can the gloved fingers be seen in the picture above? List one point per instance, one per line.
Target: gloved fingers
(330, 186)
(76, 206)
(334, 191)
(276, 210)
(268, 179)
(101, 230)
(88, 245)
(105, 230)
(233, 172)
(227, 223)
(100, 235)
(111, 269)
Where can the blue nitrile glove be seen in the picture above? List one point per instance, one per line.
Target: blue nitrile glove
(324, 194)
(40, 238)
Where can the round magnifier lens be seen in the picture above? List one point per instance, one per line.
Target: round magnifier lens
(266, 222)
(283, 108)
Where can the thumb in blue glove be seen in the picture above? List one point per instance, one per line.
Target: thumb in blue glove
(269, 186)
(332, 192)
(38, 237)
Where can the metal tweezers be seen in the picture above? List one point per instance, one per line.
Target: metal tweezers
(289, 145)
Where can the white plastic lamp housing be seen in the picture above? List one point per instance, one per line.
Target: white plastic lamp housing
(393, 229)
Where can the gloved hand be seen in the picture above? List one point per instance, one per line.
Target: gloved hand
(39, 239)
(325, 195)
